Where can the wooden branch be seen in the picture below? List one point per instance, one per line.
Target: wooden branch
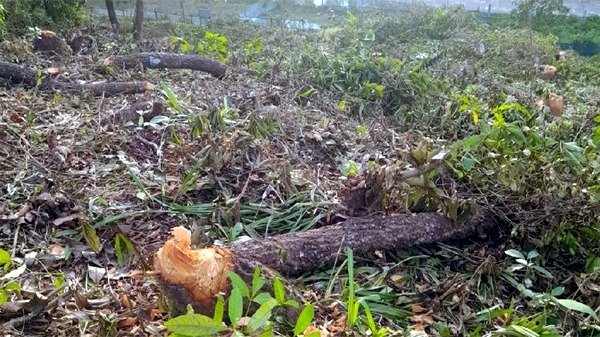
(168, 61)
(18, 74)
(197, 276)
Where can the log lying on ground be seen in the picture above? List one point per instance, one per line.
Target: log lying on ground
(197, 276)
(168, 61)
(18, 74)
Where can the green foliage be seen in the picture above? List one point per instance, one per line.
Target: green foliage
(124, 249)
(252, 48)
(539, 14)
(424, 23)
(212, 45)
(18, 15)
(5, 259)
(170, 97)
(239, 303)
(7, 285)
(519, 154)
(2, 17)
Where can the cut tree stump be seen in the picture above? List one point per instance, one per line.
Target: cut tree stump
(18, 74)
(195, 277)
(168, 61)
(50, 44)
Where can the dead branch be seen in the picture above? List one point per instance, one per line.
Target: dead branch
(43, 80)
(168, 61)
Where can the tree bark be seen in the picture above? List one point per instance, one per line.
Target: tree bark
(197, 276)
(18, 74)
(182, 6)
(167, 61)
(138, 20)
(112, 16)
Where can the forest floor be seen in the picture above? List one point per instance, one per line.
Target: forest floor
(92, 187)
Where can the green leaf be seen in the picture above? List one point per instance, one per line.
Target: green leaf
(3, 296)
(58, 281)
(370, 320)
(219, 310)
(4, 259)
(591, 264)
(577, 306)
(91, 237)
(262, 315)
(514, 253)
(472, 142)
(351, 302)
(262, 298)
(558, 291)
(532, 255)
(523, 331)
(193, 325)
(353, 312)
(573, 153)
(475, 116)
(292, 304)
(304, 319)
(237, 282)
(279, 291)
(123, 249)
(313, 334)
(467, 163)
(257, 282)
(543, 271)
(517, 133)
(235, 306)
(268, 332)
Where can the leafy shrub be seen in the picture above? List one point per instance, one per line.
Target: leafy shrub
(55, 15)
(213, 45)
(424, 23)
(544, 173)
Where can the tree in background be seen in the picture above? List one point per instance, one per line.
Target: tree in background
(541, 15)
(138, 20)
(112, 16)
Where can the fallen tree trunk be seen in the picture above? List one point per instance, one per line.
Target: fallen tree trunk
(197, 276)
(43, 80)
(168, 61)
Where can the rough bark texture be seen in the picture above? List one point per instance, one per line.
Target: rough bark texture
(292, 253)
(18, 74)
(112, 16)
(167, 61)
(295, 253)
(138, 20)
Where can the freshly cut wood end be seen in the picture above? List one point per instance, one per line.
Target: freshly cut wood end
(548, 72)
(202, 272)
(556, 104)
(47, 34)
(53, 71)
(149, 86)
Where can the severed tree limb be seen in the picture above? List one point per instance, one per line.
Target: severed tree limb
(18, 74)
(168, 61)
(197, 276)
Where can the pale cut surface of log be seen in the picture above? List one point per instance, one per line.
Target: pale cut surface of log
(168, 61)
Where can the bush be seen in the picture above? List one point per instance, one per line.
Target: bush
(55, 15)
